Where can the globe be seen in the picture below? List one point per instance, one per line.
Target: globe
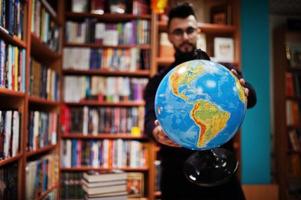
(200, 104)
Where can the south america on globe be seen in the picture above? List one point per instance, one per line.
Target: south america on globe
(200, 104)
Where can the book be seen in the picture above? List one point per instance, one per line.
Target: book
(110, 196)
(104, 189)
(223, 49)
(102, 183)
(111, 176)
(135, 184)
(293, 54)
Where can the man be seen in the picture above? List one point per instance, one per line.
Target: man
(182, 33)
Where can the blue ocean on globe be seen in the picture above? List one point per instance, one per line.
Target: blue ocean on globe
(200, 104)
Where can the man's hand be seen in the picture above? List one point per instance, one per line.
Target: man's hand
(242, 82)
(161, 137)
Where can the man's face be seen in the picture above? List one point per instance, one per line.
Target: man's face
(182, 33)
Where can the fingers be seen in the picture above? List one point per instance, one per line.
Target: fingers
(161, 137)
(247, 92)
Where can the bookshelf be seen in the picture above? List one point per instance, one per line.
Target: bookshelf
(102, 109)
(286, 75)
(229, 28)
(20, 44)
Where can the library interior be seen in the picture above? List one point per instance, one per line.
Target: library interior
(75, 118)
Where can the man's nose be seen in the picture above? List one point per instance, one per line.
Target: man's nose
(185, 35)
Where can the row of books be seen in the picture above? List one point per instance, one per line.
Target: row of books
(43, 26)
(103, 153)
(112, 34)
(295, 139)
(9, 181)
(97, 120)
(42, 129)
(136, 7)
(12, 67)
(10, 131)
(12, 17)
(292, 113)
(293, 55)
(292, 84)
(109, 59)
(41, 175)
(44, 81)
(70, 185)
(111, 89)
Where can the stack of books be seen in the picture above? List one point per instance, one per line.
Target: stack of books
(105, 186)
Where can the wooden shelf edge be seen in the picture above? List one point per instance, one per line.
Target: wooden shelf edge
(39, 100)
(41, 150)
(107, 72)
(12, 93)
(96, 45)
(104, 103)
(6, 36)
(102, 136)
(205, 27)
(106, 16)
(47, 192)
(39, 47)
(10, 160)
(78, 169)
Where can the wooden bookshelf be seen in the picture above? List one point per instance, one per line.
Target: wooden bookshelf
(126, 103)
(20, 99)
(287, 173)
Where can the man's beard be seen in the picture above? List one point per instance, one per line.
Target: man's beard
(185, 56)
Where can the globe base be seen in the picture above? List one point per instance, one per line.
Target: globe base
(210, 167)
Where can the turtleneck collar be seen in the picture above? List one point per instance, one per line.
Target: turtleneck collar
(181, 57)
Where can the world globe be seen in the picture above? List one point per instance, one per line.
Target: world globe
(200, 104)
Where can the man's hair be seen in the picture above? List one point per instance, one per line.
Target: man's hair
(181, 10)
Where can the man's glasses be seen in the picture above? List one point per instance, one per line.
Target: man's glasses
(178, 32)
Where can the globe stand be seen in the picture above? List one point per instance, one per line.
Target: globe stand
(210, 167)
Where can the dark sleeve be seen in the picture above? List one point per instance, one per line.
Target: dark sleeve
(252, 98)
(149, 98)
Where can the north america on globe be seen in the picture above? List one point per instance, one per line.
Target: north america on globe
(200, 104)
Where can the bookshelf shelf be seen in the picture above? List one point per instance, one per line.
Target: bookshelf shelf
(105, 72)
(217, 28)
(95, 45)
(105, 104)
(106, 17)
(42, 101)
(47, 192)
(42, 51)
(40, 151)
(7, 92)
(287, 109)
(11, 159)
(205, 28)
(4, 35)
(78, 169)
(103, 136)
